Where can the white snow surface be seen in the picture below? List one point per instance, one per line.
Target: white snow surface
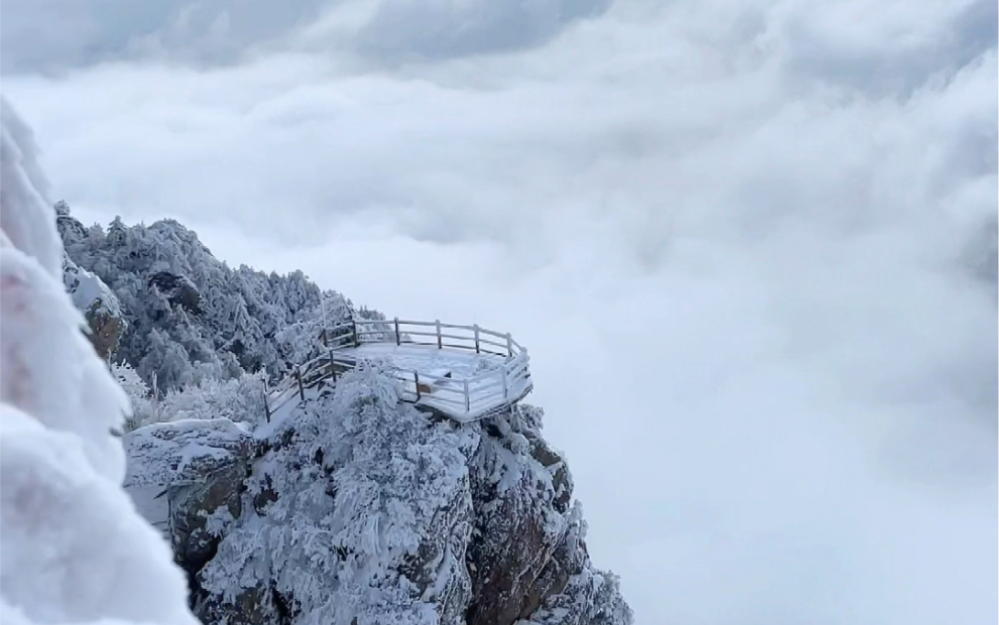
(443, 375)
(86, 289)
(152, 504)
(74, 548)
(462, 364)
(179, 451)
(394, 476)
(22, 184)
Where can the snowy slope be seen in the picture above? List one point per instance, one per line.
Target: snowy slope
(88, 291)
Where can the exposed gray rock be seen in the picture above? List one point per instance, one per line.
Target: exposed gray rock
(521, 490)
(179, 290)
(201, 511)
(188, 478)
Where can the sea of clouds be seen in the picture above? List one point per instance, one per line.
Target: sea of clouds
(751, 247)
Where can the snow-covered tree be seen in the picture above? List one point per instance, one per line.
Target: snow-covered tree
(74, 549)
(138, 392)
(237, 399)
(190, 316)
(355, 517)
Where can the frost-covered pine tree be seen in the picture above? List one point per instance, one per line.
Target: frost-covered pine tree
(74, 549)
(138, 392)
(342, 521)
(189, 316)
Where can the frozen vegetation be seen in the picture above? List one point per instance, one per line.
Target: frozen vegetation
(190, 317)
(358, 509)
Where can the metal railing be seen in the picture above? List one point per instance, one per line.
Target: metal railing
(465, 399)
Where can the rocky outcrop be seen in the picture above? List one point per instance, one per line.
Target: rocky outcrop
(521, 494)
(358, 509)
(197, 470)
(100, 307)
(186, 451)
(179, 290)
(200, 512)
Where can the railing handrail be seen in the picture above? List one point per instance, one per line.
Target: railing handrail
(512, 376)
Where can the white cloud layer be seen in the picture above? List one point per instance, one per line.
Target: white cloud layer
(750, 245)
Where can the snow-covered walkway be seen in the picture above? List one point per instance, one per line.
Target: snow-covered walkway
(461, 384)
(464, 372)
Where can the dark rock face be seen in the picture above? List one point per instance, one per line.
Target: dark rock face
(179, 290)
(202, 466)
(106, 329)
(530, 557)
(517, 524)
(200, 512)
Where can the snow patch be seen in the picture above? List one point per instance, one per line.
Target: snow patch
(182, 451)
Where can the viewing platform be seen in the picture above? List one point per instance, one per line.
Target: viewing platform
(463, 372)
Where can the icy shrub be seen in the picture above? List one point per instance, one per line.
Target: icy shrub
(143, 406)
(240, 400)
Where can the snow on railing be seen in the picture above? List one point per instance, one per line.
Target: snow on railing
(465, 399)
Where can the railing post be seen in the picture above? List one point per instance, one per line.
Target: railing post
(506, 385)
(332, 367)
(475, 328)
(509, 344)
(468, 401)
(440, 341)
(398, 339)
(357, 339)
(301, 385)
(156, 399)
(416, 382)
(267, 408)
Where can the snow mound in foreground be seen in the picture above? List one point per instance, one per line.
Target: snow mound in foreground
(74, 549)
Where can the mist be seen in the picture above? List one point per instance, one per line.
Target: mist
(751, 248)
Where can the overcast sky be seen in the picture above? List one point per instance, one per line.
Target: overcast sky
(750, 245)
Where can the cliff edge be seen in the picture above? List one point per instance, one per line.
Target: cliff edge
(360, 509)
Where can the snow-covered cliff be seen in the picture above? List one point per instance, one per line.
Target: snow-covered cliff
(356, 508)
(360, 509)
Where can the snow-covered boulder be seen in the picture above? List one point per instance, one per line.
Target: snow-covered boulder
(360, 509)
(187, 479)
(184, 451)
(99, 305)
